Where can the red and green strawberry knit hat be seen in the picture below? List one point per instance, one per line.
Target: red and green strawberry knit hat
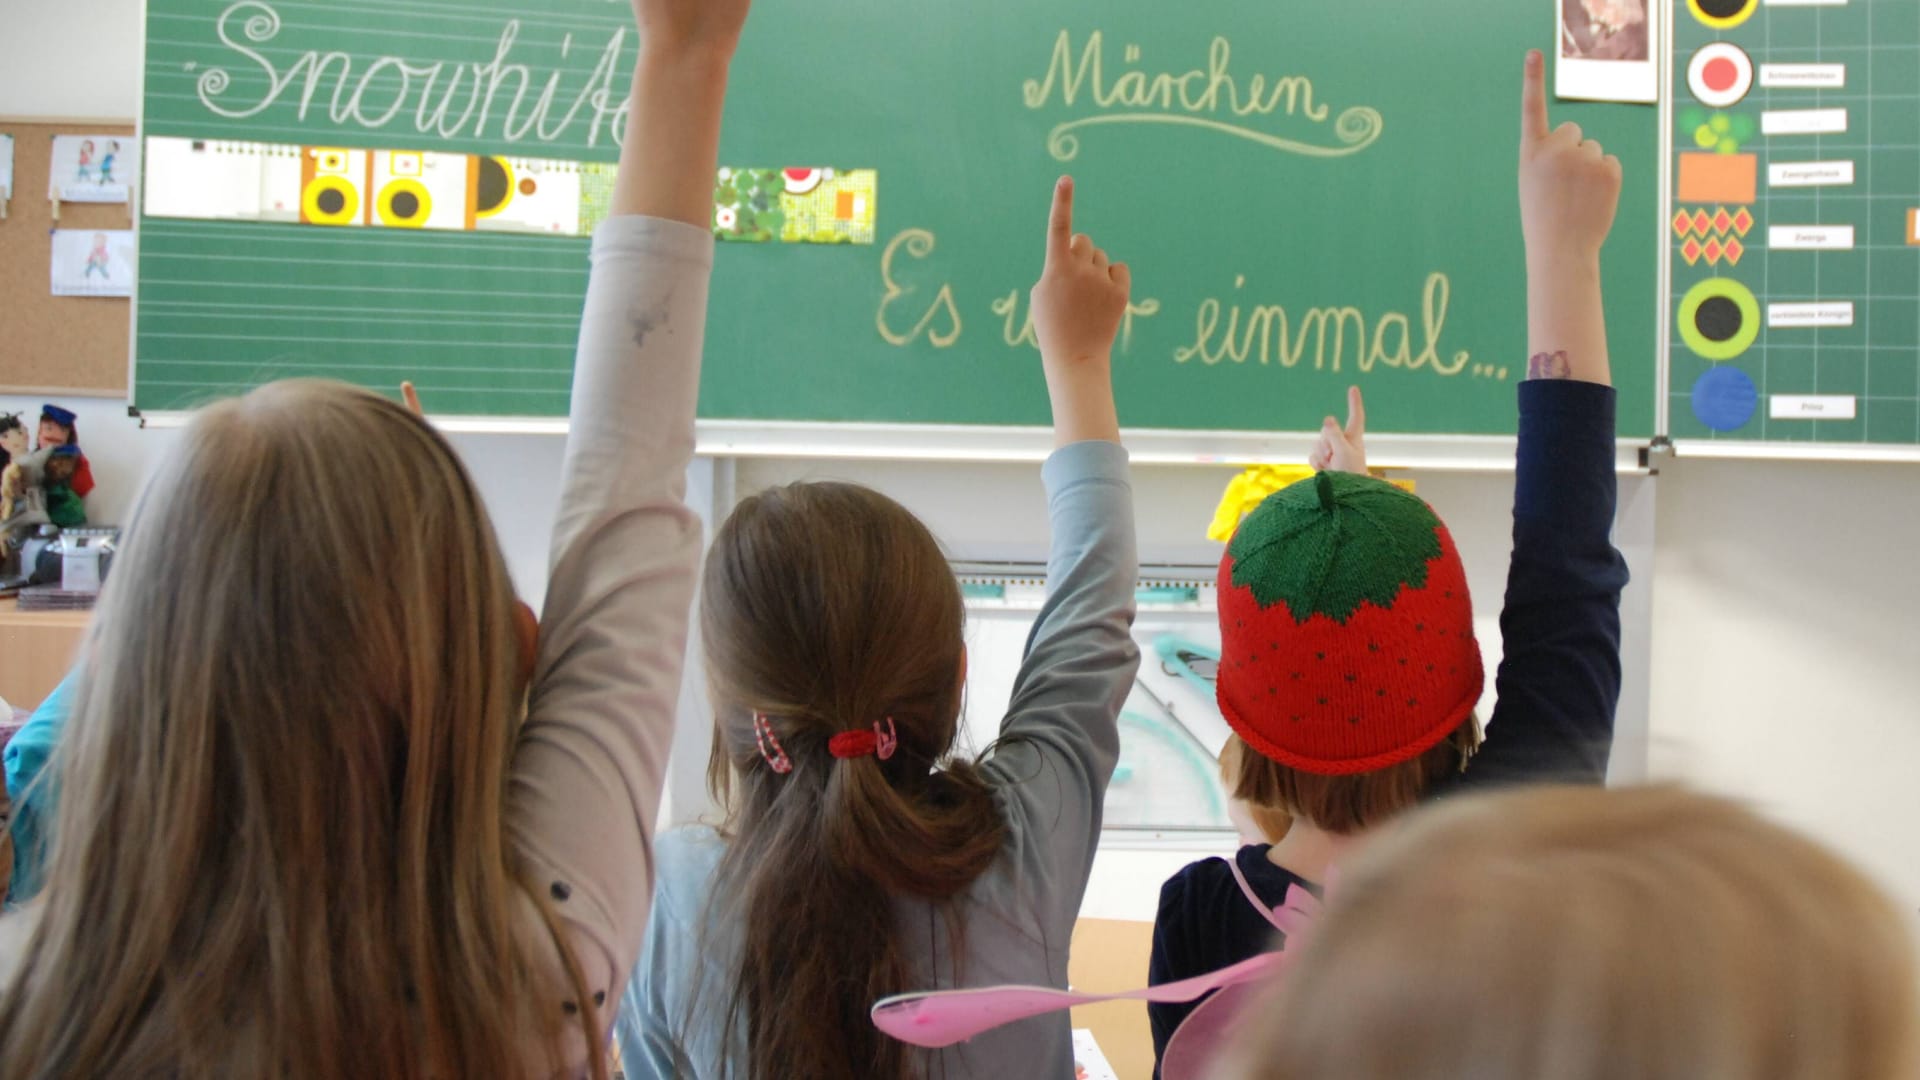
(1346, 630)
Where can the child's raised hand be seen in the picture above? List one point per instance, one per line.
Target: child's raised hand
(1569, 187)
(1343, 449)
(688, 26)
(1078, 306)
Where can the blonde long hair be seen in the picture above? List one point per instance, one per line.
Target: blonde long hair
(1579, 934)
(280, 847)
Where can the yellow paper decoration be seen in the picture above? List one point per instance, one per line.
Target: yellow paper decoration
(1251, 488)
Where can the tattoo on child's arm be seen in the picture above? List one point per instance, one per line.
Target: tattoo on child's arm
(1549, 366)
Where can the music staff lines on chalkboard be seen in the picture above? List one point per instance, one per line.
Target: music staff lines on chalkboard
(1138, 96)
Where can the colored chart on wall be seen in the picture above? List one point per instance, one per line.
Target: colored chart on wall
(1794, 226)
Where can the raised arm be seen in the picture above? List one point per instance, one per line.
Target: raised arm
(1559, 680)
(1062, 726)
(589, 769)
(1569, 192)
(672, 148)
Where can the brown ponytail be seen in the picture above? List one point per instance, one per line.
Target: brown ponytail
(829, 608)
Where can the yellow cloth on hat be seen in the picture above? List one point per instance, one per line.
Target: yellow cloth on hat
(1251, 488)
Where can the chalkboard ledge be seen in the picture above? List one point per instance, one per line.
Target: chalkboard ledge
(961, 442)
(1794, 451)
(1448, 453)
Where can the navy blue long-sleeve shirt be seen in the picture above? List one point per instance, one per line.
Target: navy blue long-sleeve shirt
(1556, 690)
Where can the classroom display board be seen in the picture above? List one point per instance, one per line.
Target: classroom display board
(1794, 227)
(1310, 195)
(50, 344)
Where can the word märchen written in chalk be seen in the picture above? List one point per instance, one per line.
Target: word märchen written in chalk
(1212, 98)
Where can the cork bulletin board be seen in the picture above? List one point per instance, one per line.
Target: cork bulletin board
(54, 344)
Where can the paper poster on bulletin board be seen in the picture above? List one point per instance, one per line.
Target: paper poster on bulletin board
(93, 168)
(90, 262)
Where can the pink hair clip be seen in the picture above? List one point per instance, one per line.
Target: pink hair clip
(881, 742)
(770, 749)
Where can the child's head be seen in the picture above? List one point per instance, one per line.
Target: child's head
(61, 465)
(1348, 663)
(829, 610)
(286, 767)
(58, 427)
(1581, 934)
(13, 437)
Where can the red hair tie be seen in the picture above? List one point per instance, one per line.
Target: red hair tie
(881, 742)
(771, 751)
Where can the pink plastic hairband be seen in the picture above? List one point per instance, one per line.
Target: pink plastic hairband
(881, 742)
(770, 749)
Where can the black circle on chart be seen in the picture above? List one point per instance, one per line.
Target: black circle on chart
(405, 205)
(331, 202)
(493, 185)
(1718, 318)
(1723, 9)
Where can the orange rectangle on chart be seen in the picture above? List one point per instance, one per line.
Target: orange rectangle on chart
(1913, 227)
(1718, 178)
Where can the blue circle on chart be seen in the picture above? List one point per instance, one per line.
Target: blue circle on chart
(1725, 398)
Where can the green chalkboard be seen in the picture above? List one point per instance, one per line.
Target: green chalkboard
(1312, 193)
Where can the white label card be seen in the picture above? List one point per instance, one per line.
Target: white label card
(1815, 315)
(1814, 406)
(1804, 76)
(1806, 3)
(1810, 174)
(1810, 237)
(1804, 122)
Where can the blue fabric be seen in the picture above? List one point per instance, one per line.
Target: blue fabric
(26, 761)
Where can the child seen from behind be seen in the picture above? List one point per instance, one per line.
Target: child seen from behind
(1349, 670)
(859, 857)
(1579, 934)
(328, 805)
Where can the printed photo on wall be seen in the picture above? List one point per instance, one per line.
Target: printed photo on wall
(1607, 50)
(87, 262)
(93, 168)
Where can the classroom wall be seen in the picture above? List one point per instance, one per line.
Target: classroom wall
(1786, 664)
(517, 476)
(70, 59)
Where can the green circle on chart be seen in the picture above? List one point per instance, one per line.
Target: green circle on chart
(1713, 331)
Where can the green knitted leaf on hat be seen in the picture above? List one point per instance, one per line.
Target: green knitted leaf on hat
(1325, 546)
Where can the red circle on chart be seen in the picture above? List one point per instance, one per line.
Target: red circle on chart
(528, 187)
(1720, 74)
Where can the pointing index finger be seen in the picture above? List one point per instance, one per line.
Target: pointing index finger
(1060, 226)
(1356, 416)
(1533, 99)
